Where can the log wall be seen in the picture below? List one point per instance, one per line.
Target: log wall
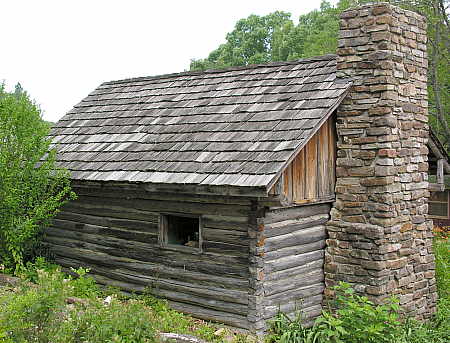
(294, 259)
(114, 232)
(254, 261)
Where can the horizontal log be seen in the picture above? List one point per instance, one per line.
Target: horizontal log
(205, 302)
(80, 239)
(237, 223)
(225, 236)
(232, 319)
(295, 212)
(222, 228)
(293, 261)
(293, 307)
(185, 188)
(288, 273)
(208, 298)
(326, 198)
(148, 249)
(275, 201)
(79, 210)
(123, 192)
(201, 312)
(225, 248)
(137, 225)
(158, 206)
(292, 225)
(294, 250)
(305, 236)
(105, 236)
(295, 294)
(227, 284)
(306, 278)
(201, 263)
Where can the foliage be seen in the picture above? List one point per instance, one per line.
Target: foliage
(250, 42)
(30, 271)
(356, 319)
(32, 188)
(287, 330)
(442, 256)
(275, 37)
(40, 313)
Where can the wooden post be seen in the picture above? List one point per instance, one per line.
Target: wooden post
(440, 171)
(440, 174)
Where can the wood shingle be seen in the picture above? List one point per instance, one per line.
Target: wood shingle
(234, 127)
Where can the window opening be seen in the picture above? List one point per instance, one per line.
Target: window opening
(180, 230)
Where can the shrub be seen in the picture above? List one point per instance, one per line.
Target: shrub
(287, 330)
(31, 269)
(355, 319)
(32, 188)
(40, 313)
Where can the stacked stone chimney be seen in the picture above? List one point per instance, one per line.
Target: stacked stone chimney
(380, 237)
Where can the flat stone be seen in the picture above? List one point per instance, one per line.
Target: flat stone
(177, 338)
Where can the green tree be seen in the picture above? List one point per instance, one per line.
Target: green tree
(315, 35)
(32, 188)
(250, 42)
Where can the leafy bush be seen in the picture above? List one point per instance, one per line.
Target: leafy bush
(287, 330)
(41, 313)
(27, 313)
(32, 188)
(30, 271)
(83, 285)
(356, 319)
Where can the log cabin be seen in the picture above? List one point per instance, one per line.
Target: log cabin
(240, 192)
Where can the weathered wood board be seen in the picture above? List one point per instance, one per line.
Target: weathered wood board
(310, 177)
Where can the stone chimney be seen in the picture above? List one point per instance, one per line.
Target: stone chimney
(380, 237)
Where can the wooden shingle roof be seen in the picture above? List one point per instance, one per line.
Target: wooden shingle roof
(236, 127)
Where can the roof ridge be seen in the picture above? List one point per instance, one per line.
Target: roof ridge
(327, 57)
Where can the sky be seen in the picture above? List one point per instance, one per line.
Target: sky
(61, 50)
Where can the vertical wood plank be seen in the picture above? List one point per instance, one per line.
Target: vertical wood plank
(299, 176)
(332, 154)
(311, 168)
(323, 183)
(326, 153)
(287, 178)
(440, 171)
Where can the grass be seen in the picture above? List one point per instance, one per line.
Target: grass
(58, 308)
